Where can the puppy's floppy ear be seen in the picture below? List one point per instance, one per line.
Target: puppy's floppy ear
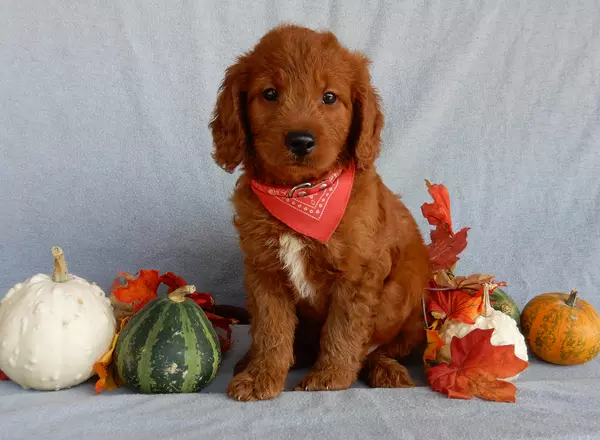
(367, 119)
(229, 123)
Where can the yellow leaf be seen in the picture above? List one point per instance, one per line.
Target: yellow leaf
(472, 282)
(443, 279)
(104, 367)
(438, 315)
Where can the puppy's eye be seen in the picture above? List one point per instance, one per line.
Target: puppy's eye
(270, 94)
(329, 98)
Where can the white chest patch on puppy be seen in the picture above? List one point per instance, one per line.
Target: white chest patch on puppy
(292, 258)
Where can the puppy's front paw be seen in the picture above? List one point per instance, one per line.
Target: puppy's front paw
(326, 380)
(248, 386)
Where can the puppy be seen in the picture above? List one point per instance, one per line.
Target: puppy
(334, 263)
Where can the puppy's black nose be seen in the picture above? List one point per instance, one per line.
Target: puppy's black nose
(300, 143)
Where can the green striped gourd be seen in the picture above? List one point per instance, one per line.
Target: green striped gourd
(503, 302)
(169, 346)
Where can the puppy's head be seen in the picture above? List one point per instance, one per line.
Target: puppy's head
(296, 106)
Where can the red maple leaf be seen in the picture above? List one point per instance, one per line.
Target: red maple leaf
(3, 376)
(173, 281)
(445, 247)
(476, 369)
(445, 244)
(218, 322)
(204, 300)
(456, 304)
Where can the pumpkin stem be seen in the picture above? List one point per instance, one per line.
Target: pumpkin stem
(178, 295)
(487, 305)
(572, 298)
(60, 266)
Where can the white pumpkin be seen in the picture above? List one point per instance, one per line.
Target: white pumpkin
(505, 332)
(53, 329)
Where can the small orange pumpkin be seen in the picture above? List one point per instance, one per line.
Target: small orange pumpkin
(561, 329)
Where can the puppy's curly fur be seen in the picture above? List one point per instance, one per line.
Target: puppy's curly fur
(350, 306)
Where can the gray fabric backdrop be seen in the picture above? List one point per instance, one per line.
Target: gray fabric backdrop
(105, 149)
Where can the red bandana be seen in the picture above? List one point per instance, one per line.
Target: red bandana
(314, 209)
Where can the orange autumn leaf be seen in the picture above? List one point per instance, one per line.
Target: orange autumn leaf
(104, 367)
(434, 343)
(455, 304)
(476, 369)
(139, 290)
(438, 212)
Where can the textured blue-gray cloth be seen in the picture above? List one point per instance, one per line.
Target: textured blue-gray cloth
(552, 403)
(105, 151)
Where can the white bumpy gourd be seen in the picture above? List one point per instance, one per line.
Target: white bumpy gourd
(53, 329)
(505, 332)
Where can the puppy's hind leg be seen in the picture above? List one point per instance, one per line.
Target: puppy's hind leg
(382, 370)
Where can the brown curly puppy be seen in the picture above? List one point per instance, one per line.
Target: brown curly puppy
(335, 265)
